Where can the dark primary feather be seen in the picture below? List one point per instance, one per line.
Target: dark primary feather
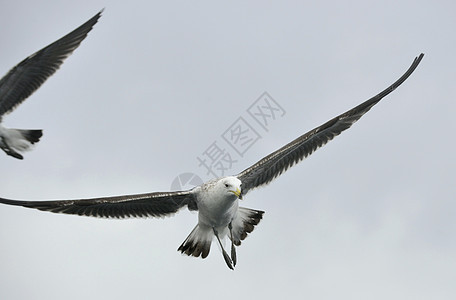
(27, 76)
(279, 161)
(141, 205)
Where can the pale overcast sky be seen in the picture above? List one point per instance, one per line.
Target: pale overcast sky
(155, 85)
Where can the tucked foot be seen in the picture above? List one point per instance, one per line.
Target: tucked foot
(228, 261)
(233, 248)
(233, 255)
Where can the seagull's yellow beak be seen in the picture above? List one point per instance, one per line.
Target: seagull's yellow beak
(237, 192)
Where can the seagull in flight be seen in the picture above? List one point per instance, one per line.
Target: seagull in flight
(26, 77)
(217, 201)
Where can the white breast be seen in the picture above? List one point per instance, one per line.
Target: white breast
(216, 207)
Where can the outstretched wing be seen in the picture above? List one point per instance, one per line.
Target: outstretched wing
(26, 77)
(271, 166)
(141, 205)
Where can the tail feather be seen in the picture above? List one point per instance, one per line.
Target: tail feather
(244, 223)
(198, 242)
(14, 141)
(32, 135)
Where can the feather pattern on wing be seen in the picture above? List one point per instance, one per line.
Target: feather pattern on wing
(27, 76)
(271, 166)
(140, 205)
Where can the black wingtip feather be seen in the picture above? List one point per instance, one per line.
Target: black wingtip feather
(27, 76)
(274, 164)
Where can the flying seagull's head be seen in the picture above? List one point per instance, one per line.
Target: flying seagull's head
(232, 185)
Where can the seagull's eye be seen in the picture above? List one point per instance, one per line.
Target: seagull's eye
(226, 185)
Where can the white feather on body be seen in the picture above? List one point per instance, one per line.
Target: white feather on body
(218, 206)
(14, 139)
